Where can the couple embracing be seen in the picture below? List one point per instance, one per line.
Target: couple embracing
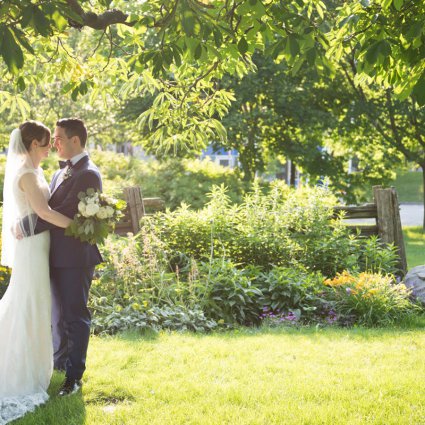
(44, 320)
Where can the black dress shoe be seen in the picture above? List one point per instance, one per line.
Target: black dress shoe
(70, 386)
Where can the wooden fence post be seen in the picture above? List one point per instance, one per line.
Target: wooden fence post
(398, 232)
(135, 205)
(136, 209)
(388, 221)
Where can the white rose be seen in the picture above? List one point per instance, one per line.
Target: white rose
(109, 211)
(102, 213)
(82, 208)
(91, 209)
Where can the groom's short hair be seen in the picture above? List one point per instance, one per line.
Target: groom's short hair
(74, 127)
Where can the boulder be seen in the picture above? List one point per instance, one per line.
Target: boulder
(415, 280)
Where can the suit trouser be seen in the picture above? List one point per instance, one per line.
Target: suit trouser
(71, 318)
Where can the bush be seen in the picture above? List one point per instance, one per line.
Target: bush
(282, 228)
(290, 293)
(226, 294)
(369, 299)
(4, 279)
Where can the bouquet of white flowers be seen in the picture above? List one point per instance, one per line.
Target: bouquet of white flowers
(96, 217)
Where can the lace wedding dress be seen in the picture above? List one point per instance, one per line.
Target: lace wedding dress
(26, 355)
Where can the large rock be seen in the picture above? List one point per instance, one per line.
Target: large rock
(415, 280)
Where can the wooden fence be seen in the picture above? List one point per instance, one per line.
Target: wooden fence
(385, 210)
(137, 207)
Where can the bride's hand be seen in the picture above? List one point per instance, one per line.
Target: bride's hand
(17, 232)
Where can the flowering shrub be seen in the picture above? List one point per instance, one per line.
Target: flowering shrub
(96, 217)
(368, 298)
(4, 278)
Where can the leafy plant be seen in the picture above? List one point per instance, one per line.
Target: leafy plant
(280, 228)
(226, 293)
(290, 289)
(369, 298)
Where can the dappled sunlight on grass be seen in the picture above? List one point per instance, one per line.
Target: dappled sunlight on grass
(250, 376)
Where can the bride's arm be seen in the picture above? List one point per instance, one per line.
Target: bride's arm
(29, 184)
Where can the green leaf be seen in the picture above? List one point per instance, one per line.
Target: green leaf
(27, 15)
(398, 4)
(20, 83)
(380, 48)
(83, 88)
(218, 38)
(198, 51)
(415, 30)
(10, 50)
(386, 3)
(41, 23)
(65, 89)
(21, 37)
(188, 23)
(242, 46)
(418, 91)
(294, 47)
(373, 53)
(75, 93)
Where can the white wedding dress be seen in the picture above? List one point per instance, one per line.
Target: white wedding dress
(26, 351)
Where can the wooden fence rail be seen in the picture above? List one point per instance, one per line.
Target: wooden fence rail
(385, 210)
(137, 207)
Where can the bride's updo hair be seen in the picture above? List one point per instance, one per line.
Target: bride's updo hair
(31, 130)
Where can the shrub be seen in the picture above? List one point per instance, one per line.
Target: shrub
(290, 292)
(281, 228)
(369, 298)
(226, 294)
(4, 278)
(376, 257)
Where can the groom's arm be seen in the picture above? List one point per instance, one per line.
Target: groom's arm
(69, 206)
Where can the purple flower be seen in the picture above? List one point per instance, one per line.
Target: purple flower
(348, 290)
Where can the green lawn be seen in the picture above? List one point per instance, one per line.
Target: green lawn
(409, 186)
(414, 240)
(285, 376)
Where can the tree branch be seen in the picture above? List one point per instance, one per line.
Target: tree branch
(97, 22)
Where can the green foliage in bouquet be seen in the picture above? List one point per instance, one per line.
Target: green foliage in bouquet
(97, 216)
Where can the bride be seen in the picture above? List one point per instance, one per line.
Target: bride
(26, 357)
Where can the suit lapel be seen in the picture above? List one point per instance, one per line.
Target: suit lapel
(79, 165)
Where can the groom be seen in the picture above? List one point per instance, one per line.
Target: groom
(72, 262)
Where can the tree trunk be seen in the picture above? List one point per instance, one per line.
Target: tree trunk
(246, 168)
(293, 173)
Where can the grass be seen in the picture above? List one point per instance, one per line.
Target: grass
(414, 240)
(409, 186)
(250, 376)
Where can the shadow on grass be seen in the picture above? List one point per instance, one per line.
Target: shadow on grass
(410, 324)
(68, 410)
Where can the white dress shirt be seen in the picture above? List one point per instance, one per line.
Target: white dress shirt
(74, 160)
